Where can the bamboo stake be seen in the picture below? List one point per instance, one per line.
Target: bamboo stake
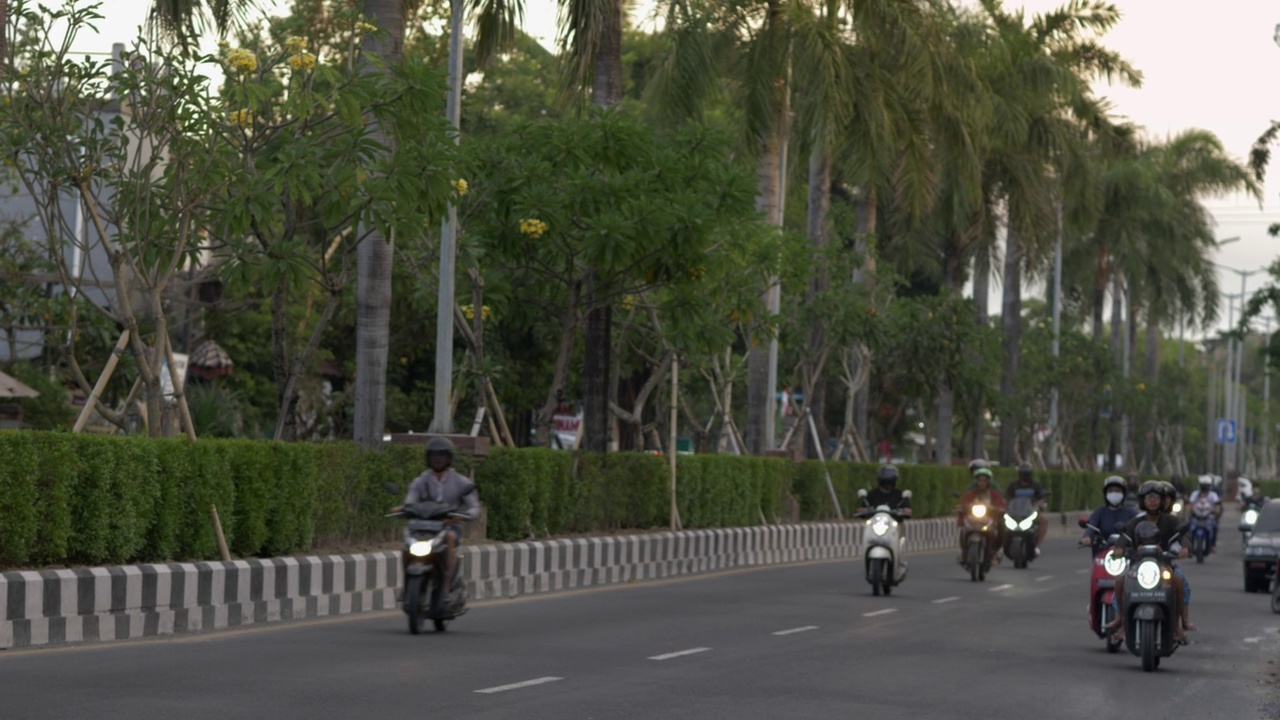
(671, 447)
(217, 531)
(102, 382)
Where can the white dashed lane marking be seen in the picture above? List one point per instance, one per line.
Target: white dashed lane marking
(1000, 587)
(793, 631)
(1043, 578)
(517, 686)
(886, 611)
(953, 598)
(680, 653)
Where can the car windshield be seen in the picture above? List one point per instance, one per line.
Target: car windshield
(1268, 518)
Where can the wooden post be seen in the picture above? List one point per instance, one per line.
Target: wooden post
(217, 531)
(103, 379)
(671, 448)
(813, 428)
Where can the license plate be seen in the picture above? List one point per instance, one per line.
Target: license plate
(1259, 564)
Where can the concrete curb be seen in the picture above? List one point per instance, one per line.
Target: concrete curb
(59, 607)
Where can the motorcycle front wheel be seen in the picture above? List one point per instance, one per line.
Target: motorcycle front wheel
(973, 559)
(875, 576)
(1147, 638)
(413, 603)
(1275, 598)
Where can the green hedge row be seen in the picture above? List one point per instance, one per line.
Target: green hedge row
(84, 499)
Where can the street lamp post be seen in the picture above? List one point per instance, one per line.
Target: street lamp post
(442, 414)
(1236, 394)
(1227, 386)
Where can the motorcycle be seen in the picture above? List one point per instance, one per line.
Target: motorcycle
(1275, 591)
(1020, 531)
(1201, 529)
(1150, 608)
(1249, 518)
(1107, 566)
(885, 549)
(425, 563)
(979, 540)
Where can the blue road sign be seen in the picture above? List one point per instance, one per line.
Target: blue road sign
(1226, 431)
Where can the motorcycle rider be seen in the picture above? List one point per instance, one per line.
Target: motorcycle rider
(886, 492)
(1112, 517)
(982, 492)
(1205, 494)
(1026, 486)
(441, 483)
(1152, 495)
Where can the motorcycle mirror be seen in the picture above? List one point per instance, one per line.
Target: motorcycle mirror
(1084, 522)
(391, 488)
(906, 494)
(862, 493)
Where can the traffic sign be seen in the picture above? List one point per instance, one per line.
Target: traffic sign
(1226, 431)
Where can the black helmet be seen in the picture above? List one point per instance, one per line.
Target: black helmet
(1169, 490)
(1024, 472)
(1148, 487)
(441, 445)
(887, 476)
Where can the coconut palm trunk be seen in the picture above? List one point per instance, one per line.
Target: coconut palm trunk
(1012, 322)
(373, 259)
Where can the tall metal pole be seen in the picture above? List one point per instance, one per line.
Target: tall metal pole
(442, 415)
(1226, 380)
(1057, 331)
(1269, 468)
(1210, 455)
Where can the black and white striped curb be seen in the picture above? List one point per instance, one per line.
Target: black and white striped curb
(56, 607)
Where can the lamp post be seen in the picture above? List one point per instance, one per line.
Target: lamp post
(442, 414)
(1236, 393)
(1269, 469)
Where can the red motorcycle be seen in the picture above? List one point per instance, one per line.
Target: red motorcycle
(1107, 567)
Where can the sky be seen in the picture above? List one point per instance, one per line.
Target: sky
(1206, 65)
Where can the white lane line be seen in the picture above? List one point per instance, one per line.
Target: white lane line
(793, 631)
(517, 686)
(681, 653)
(1253, 640)
(1043, 578)
(886, 611)
(1000, 587)
(953, 598)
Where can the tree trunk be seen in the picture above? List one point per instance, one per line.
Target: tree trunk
(819, 236)
(1152, 377)
(758, 389)
(1012, 321)
(286, 396)
(866, 250)
(981, 317)
(568, 331)
(373, 258)
(606, 92)
(1117, 322)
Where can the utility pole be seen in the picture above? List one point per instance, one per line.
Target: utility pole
(442, 415)
(1269, 467)
(1054, 460)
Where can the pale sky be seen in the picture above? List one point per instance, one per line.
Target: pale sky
(1209, 65)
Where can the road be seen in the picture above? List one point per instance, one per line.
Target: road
(805, 641)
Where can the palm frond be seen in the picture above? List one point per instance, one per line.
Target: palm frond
(497, 24)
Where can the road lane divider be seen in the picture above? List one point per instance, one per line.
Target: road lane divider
(878, 613)
(793, 631)
(1000, 587)
(941, 601)
(680, 653)
(519, 685)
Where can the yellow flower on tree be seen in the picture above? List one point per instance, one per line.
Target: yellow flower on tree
(302, 61)
(459, 186)
(295, 44)
(241, 60)
(628, 302)
(240, 118)
(532, 227)
(366, 27)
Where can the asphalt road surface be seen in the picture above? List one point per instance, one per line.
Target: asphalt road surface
(804, 641)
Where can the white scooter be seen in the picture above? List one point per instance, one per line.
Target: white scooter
(884, 547)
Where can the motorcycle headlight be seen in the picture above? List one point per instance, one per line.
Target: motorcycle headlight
(979, 511)
(421, 548)
(1250, 517)
(1177, 506)
(1115, 565)
(1149, 575)
(880, 528)
(1026, 524)
(1010, 523)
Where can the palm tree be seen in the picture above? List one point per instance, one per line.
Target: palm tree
(186, 20)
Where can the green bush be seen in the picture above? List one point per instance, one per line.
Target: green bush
(92, 499)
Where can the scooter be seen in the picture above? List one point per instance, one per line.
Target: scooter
(1249, 518)
(1201, 529)
(425, 563)
(1149, 603)
(1275, 590)
(979, 540)
(885, 548)
(1107, 566)
(1020, 531)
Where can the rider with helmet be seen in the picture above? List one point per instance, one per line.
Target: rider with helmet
(1204, 495)
(442, 484)
(1112, 517)
(886, 491)
(1026, 486)
(982, 492)
(1153, 496)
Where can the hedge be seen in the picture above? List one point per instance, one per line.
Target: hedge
(83, 499)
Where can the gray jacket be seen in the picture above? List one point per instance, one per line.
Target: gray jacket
(453, 488)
